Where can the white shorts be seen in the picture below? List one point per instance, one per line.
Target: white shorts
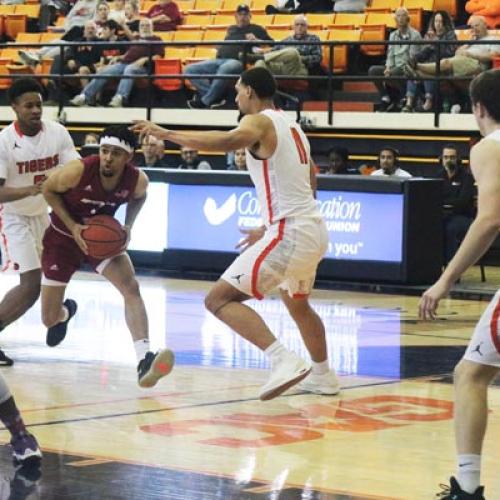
(21, 241)
(484, 346)
(286, 257)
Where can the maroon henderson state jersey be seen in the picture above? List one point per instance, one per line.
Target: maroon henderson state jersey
(89, 198)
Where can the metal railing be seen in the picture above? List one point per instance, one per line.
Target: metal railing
(330, 78)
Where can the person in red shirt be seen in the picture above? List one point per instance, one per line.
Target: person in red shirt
(165, 15)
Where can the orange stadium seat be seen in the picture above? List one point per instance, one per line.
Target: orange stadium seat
(259, 5)
(223, 19)
(416, 18)
(4, 82)
(166, 36)
(449, 6)
(14, 24)
(192, 36)
(262, 19)
(464, 34)
(215, 35)
(5, 10)
(346, 18)
(380, 18)
(340, 52)
(185, 5)
(28, 38)
(202, 54)
(384, 4)
(283, 19)
(198, 20)
(229, 6)
(205, 6)
(322, 20)
(168, 67)
(181, 53)
(419, 4)
(49, 37)
(373, 33)
(278, 34)
(30, 10)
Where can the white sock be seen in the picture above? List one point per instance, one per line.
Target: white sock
(469, 472)
(275, 351)
(141, 348)
(65, 314)
(320, 368)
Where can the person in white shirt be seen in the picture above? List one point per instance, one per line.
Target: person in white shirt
(30, 148)
(388, 163)
(481, 361)
(285, 252)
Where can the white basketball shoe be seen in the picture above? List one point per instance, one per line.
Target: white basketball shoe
(326, 383)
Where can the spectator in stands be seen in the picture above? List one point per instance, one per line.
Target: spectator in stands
(397, 56)
(440, 28)
(300, 6)
(239, 160)
(91, 139)
(101, 16)
(350, 5)
(459, 195)
(117, 13)
(338, 158)
(287, 60)
(79, 59)
(133, 62)
(153, 151)
(468, 60)
(110, 33)
(389, 164)
(165, 15)
(191, 160)
(211, 94)
(82, 11)
(131, 25)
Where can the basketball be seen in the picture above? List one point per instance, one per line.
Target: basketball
(104, 236)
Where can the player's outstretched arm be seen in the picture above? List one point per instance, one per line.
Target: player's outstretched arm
(250, 131)
(58, 183)
(17, 193)
(482, 232)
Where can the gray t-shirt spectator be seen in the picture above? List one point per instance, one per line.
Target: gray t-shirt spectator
(399, 55)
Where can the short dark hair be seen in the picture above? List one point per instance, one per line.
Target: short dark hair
(121, 132)
(394, 151)
(111, 24)
(261, 81)
(340, 151)
(484, 89)
(23, 86)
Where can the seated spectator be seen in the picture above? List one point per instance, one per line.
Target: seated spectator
(293, 61)
(91, 139)
(191, 161)
(468, 60)
(133, 62)
(350, 5)
(300, 6)
(82, 11)
(132, 18)
(459, 195)
(239, 160)
(388, 164)
(117, 13)
(153, 150)
(110, 33)
(210, 94)
(165, 15)
(397, 56)
(338, 158)
(79, 59)
(440, 28)
(101, 16)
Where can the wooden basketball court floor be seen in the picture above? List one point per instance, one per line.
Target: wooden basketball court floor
(203, 434)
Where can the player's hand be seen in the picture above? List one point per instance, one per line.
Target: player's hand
(430, 300)
(35, 189)
(76, 231)
(145, 128)
(250, 238)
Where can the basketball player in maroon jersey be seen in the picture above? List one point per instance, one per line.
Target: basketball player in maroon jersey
(97, 185)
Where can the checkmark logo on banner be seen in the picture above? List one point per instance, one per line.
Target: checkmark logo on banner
(217, 215)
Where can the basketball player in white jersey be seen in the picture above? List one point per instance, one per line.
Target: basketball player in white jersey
(286, 251)
(30, 148)
(481, 362)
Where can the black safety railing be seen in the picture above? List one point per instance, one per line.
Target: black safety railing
(330, 78)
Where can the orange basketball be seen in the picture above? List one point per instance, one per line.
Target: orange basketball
(104, 236)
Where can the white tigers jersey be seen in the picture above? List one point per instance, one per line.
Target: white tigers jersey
(26, 160)
(283, 182)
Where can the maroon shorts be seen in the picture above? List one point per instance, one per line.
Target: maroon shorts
(61, 257)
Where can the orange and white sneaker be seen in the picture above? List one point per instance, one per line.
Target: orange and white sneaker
(155, 366)
(285, 373)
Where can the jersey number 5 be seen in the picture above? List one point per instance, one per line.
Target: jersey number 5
(300, 146)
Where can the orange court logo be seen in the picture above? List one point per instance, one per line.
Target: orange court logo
(312, 421)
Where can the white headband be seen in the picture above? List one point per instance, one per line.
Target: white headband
(114, 141)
